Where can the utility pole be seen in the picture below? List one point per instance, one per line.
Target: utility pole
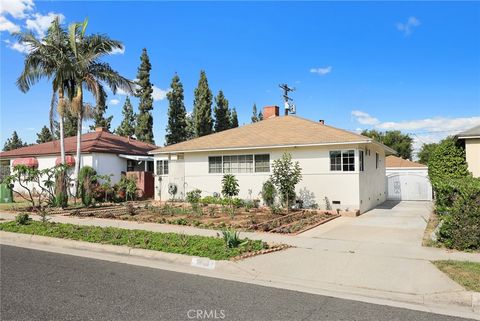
(287, 99)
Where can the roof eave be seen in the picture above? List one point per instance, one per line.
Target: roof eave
(158, 152)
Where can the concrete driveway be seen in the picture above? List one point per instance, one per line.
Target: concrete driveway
(392, 222)
(377, 254)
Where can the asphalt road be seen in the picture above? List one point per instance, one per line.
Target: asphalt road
(38, 285)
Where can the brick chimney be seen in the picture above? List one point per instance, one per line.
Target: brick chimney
(101, 129)
(270, 112)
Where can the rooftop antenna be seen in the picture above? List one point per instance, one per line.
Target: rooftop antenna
(288, 106)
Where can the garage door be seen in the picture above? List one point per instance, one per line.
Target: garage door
(409, 187)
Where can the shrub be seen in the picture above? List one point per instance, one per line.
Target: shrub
(232, 239)
(447, 161)
(193, 197)
(458, 203)
(22, 219)
(87, 182)
(128, 187)
(230, 186)
(269, 193)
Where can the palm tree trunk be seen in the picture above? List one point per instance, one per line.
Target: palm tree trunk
(62, 139)
(78, 107)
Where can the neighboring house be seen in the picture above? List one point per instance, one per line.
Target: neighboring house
(471, 138)
(407, 180)
(346, 168)
(107, 153)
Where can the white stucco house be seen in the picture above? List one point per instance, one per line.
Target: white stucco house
(345, 167)
(471, 139)
(107, 153)
(407, 180)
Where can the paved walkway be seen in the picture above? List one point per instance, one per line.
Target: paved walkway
(378, 254)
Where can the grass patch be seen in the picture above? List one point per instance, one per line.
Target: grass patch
(211, 247)
(464, 273)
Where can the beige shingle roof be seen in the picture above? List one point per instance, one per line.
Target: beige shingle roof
(394, 161)
(272, 132)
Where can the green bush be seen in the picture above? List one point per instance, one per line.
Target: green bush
(128, 187)
(460, 227)
(193, 197)
(232, 239)
(447, 161)
(269, 192)
(22, 218)
(87, 182)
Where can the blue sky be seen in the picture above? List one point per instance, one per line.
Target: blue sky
(413, 66)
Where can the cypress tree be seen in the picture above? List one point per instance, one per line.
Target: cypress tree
(144, 127)
(99, 119)
(190, 129)
(222, 120)
(260, 116)
(13, 143)
(70, 124)
(177, 123)
(45, 135)
(254, 114)
(127, 126)
(233, 119)
(202, 107)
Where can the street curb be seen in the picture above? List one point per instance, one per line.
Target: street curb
(442, 303)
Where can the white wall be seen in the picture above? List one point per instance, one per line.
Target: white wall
(109, 164)
(104, 164)
(48, 161)
(317, 182)
(372, 180)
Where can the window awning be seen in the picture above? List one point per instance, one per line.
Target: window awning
(27, 161)
(137, 158)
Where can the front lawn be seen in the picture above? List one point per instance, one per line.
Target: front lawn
(465, 273)
(211, 247)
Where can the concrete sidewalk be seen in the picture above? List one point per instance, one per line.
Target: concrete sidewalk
(377, 255)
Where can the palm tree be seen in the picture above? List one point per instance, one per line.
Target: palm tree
(90, 72)
(50, 58)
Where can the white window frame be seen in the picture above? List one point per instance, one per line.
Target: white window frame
(165, 167)
(342, 152)
(242, 164)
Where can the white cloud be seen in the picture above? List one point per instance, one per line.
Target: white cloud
(364, 118)
(7, 25)
(114, 101)
(322, 71)
(16, 8)
(39, 23)
(118, 51)
(426, 130)
(407, 27)
(159, 94)
(18, 46)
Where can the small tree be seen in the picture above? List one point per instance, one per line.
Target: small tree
(286, 174)
(230, 189)
(269, 193)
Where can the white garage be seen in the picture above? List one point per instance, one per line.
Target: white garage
(407, 180)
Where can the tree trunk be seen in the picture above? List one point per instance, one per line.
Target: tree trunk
(79, 151)
(62, 139)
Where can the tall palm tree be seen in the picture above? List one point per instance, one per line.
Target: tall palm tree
(50, 58)
(91, 73)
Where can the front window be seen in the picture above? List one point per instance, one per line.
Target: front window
(215, 164)
(162, 167)
(342, 160)
(262, 163)
(239, 164)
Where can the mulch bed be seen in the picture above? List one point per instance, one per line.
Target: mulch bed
(208, 216)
